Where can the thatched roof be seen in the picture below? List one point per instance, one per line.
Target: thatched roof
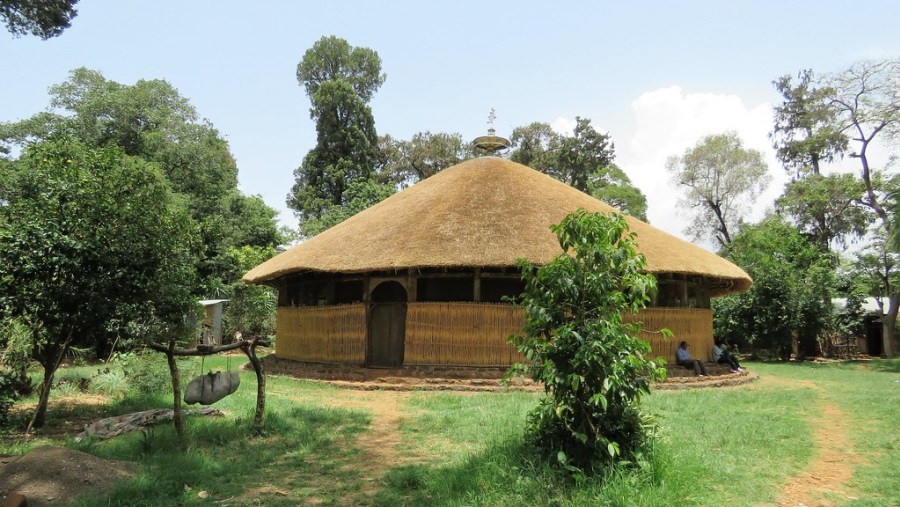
(484, 212)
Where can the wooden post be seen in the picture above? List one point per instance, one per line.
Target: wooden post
(476, 293)
(176, 390)
(259, 419)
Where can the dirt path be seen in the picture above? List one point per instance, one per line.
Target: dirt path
(831, 470)
(379, 447)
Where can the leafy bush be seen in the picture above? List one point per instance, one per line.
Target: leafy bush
(109, 381)
(593, 367)
(145, 372)
(9, 394)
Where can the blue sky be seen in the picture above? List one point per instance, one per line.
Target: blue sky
(656, 75)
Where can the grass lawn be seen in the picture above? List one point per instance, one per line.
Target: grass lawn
(327, 446)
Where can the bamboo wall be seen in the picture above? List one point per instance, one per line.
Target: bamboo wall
(463, 334)
(329, 334)
(693, 325)
(459, 334)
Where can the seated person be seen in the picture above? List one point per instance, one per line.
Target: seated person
(685, 359)
(721, 355)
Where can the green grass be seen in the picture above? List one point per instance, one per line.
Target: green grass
(714, 447)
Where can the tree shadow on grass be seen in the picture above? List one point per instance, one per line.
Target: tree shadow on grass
(223, 458)
(885, 365)
(511, 473)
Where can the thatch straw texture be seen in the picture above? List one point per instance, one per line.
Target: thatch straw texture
(461, 334)
(331, 334)
(484, 212)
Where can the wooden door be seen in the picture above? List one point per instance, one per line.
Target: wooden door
(387, 326)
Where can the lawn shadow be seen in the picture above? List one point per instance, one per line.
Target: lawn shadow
(223, 458)
(885, 365)
(512, 473)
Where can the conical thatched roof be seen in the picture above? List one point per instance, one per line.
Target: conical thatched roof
(484, 212)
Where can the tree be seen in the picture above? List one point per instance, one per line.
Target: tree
(844, 114)
(826, 207)
(613, 186)
(92, 244)
(583, 160)
(593, 367)
(152, 121)
(41, 18)
(806, 133)
(339, 80)
(720, 178)
(251, 309)
(333, 59)
(407, 162)
(790, 300)
(359, 196)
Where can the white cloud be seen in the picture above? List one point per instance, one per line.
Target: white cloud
(564, 126)
(668, 121)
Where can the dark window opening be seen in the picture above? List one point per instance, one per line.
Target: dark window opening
(348, 292)
(445, 289)
(493, 290)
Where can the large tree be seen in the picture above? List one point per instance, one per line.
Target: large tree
(721, 178)
(334, 59)
(93, 244)
(42, 18)
(583, 160)
(790, 300)
(339, 80)
(152, 121)
(806, 133)
(407, 162)
(826, 207)
(844, 115)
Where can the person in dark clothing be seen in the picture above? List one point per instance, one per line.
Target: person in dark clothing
(721, 355)
(685, 359)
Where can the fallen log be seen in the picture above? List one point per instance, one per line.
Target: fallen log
(120, 424)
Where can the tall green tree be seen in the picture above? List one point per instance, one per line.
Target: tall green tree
(93, 244)
(41, 18)
(827, 207)
(593, 367)
(806, 133)
(844, 115)
(334, 59)
(152, 121)
(407, 162)
(339, 80)
(720, 179)
(583, 160)
(789, 303)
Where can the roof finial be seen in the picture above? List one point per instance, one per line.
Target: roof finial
(491, 143)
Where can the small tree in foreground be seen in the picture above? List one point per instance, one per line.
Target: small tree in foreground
(593, 366)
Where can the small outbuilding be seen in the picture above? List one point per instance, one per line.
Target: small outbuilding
(420, 278)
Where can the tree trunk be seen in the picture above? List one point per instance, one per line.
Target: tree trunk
(259, 420)
(50, 367)
(176, 390)
(889, 321)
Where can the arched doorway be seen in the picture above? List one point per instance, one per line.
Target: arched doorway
(387, 326)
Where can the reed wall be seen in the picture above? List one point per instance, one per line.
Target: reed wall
(330, 334)
(460, 334)
(464, 334)
(693, 325)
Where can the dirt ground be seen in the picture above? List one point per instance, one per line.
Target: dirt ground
(830, 471)
(50, 475)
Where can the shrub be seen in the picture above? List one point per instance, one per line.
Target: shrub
(593, 367)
